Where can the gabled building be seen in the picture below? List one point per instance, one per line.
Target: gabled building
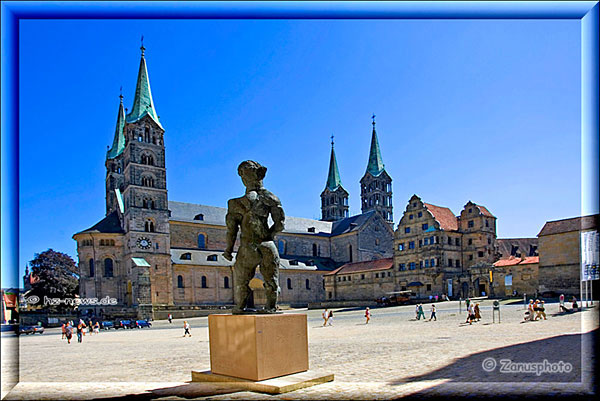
(434, 249)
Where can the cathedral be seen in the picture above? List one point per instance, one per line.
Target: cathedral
(156, 256)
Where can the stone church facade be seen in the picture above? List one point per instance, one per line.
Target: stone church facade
(157, 256)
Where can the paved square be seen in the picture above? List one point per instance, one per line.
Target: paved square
(394, 355)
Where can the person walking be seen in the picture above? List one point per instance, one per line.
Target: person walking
(530, 309)
(63, 328)
(417, 311)
(330, 318)
(367, 315)
(186, 328)
(477, 312)
(325, 317)
(541, 310)
(90, 327)
(69, 332)
(432, 313)
(80, 331)
(467, 303)
(421, 313)
(170, 318)
(561, 302)
(97, 327)
(574, 304)
(470, 314)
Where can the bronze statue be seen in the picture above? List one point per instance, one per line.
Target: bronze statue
(257, 245)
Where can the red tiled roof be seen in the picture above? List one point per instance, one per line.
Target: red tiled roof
(370, 265)
(484, 211)
(444, 216)
(512, 261)
(567, 225)
(530, 260)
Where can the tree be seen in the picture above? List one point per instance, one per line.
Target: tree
(55, 275)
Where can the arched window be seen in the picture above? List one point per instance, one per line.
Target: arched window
(179, 281)
(149, 226)
(101, 242)
(225, 282)
(108, 267)
(307, 284)
(145, 204)
(92, 269)
(199, 217)
(211, 258)
(148, 182)
(350, 253)
(201, 241)
(315, 250)
(204, 282)
(289, 283)
(147, 134)
(281, 247)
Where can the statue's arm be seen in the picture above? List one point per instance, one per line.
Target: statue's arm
(277, 215)
(232, 220)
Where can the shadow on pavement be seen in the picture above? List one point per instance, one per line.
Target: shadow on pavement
(548, 353)
(189, 390)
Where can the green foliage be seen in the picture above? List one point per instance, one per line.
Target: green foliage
(55, 275)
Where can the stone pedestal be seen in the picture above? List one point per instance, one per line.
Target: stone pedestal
(258, 347)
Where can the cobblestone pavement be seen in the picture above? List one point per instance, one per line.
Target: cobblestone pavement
(393, 356)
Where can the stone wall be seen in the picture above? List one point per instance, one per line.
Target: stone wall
(559, 268)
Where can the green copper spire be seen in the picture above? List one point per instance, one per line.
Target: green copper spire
(375, 166)
(333, 178)
(142, 103)
(119, 141)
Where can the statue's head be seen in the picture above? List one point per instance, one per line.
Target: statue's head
(252, 173)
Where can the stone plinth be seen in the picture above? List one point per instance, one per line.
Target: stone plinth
(258, 347)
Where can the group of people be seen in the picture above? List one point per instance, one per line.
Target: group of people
(563, 308)
(327, 317)
(473, 312)
(420, 313)
(535, 310)
(80, 329)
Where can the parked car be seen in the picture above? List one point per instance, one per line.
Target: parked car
(31, 330)
(107, 325)
(395, 298)
(125, 324)
(142, 323)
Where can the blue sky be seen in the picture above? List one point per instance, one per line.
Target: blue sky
(487, 111)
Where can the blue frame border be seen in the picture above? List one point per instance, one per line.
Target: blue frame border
(13, 11)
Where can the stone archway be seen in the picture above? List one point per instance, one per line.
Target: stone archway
(258, 295)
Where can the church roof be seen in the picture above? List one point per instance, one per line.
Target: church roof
(119, 141)
(142, 102)
(352, 223)
(370, 265)
(333, 178)
(191, 212)
(375, 165)
(109, 224)
(444, 216)
(200, 257)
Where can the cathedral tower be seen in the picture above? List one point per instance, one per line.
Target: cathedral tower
(334, 198)
(376, 184)
(114, 163)
(144, 195)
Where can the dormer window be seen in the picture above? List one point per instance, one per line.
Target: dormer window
(186, 256)
(311, 229)
(199, 217)
(294, 262)
(211, 258)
